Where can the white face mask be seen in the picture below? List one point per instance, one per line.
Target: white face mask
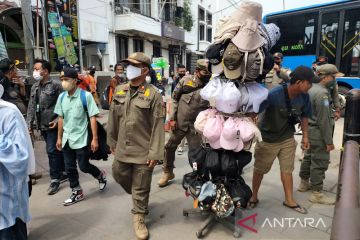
(37, 76)
(67, 85)
(148, 79)
(132, 72)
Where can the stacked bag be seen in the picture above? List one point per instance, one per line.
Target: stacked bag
(240, 58)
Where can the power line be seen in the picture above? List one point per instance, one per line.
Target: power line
(226, 7)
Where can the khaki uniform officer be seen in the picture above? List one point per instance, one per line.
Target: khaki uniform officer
(321, 125)
(187, 104)
(136, 136)
(278, 74)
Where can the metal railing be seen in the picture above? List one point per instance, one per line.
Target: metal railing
(346, 221)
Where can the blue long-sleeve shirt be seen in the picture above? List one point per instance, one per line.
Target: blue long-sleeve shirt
(14, 157)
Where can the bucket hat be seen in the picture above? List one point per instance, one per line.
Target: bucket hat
(248, 10)
(248, 37)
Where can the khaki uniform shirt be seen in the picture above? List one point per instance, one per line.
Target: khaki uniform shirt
(275, 79)
(136, 124)
(321, 119)
(187, 102)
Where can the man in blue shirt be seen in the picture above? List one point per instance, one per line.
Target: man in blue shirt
(286, 106)
(15, 162)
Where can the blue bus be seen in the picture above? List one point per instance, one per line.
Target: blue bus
(331, 30)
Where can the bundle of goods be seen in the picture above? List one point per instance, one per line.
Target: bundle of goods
(240, 58)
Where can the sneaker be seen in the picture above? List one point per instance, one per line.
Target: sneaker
(64, 178)
(180, 151)
(102, 180)
(76, 196)
(53, 188)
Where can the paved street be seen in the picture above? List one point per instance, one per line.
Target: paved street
(106, 215)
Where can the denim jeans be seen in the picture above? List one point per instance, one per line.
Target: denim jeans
(56, 159)
(82, 156)
(17, 231)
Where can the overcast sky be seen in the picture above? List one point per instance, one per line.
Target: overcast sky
(270, 6)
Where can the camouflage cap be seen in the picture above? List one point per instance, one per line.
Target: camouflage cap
(328, 69)
(137, 58)
(202, 64)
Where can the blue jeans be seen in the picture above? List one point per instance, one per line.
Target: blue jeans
(82, 156)
(18, 231)
(56, 159)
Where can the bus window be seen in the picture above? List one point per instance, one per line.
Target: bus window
(329, 35)
(299, 37)
(351, 44)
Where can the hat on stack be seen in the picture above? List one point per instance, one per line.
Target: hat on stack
(213, 129)
(248, 10)
(248, 38)
(230, 136)
(257, 94)
(202, 117)
(211, 90)
(226, 29)
(232, 61)
(228, 101)
(215, 53)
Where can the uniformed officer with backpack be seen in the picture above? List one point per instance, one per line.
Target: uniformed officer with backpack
(187, 103)
(321, 125)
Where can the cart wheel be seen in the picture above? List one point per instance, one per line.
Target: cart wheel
(236, 234)
(199, 234)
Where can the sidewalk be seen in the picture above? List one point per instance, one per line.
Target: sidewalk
(106, 215)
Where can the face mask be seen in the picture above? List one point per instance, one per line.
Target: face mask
(132, 72)
(148, 79)
(331, 84)
(205, 78)
(37, 76)
(121, 75)
(67, 85)
(181, 75)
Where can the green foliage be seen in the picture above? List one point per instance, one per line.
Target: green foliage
(188, 21)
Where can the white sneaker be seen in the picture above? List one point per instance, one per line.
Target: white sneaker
(180, 151)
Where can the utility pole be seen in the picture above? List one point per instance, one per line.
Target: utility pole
(28, 28)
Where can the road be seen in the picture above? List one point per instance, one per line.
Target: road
(106, 215)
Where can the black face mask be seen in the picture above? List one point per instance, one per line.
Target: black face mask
(181, 75)
(205, 78)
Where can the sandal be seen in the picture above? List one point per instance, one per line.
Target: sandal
(296, 208)
(253, 204)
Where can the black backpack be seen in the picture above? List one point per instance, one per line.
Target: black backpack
(103, 150)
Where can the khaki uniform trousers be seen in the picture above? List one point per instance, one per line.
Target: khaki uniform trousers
(316, 161)
(136, 180)
(194, 141)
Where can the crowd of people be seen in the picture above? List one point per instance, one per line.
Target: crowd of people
(65, 113)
